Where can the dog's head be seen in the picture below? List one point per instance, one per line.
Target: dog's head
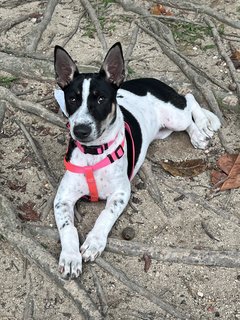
(90, 98)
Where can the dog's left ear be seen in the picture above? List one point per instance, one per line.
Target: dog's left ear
(113, 65)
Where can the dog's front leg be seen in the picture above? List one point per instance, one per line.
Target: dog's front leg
(96, 240)
(70, 261)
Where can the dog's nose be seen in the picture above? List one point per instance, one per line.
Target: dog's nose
(82, 131)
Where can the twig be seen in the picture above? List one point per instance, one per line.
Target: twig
(190, 6)
(208, 233)
(217, 258)
(52, 179)
(69, 36)
(200, 201)
(36, 33)
(100, 293)
(130, 47)
(166, 41)
(29, 304)
(33, 108)
(197, 80)
(92, 14)
(50, 233)
(156, 25)
(224, 54)
(152, 187)
(33, 251)
(121, 276)
(3, 107)
(177, 19)
(14, 3)
(32, 65)
(48, 206)
(30, 68)
(181, 55)
(132, 44)
(7, 24)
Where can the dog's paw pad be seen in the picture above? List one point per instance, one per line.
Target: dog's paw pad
(93, 247)
(70, 265)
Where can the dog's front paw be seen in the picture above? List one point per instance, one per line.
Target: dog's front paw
(93, 246)
(70, 264)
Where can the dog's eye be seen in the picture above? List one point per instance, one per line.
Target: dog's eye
(72, 100)
(100, 100)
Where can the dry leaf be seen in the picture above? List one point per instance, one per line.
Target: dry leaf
(235, 57)
(147, 261)
(29, 213)
(229, 177)
(188, 168)
(13, 185)
(217, 178)
(159, 9)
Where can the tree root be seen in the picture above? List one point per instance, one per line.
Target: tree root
(33, 251)
(152, 186)
(3, 107)
(198, 81)
(121, 276)
(7, 24)
(35, 36)
(44, 165)
(215, 258)
(32, 108)
(190, 6)
(224, 54)
(92, 14)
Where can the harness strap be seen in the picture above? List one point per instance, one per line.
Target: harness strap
(91, 184)
(88, 170)
(94, 149)
(128, 129)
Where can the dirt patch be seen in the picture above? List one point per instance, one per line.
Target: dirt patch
(195, 218)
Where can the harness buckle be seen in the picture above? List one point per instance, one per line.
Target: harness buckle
(119, 152)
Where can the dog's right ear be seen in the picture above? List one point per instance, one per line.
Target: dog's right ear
(65, 67)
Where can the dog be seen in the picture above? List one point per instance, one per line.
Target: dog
(111, 124)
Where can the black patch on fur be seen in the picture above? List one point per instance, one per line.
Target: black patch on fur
(73, 92)
(71, 146)
(64, 225)
(157, 88)
(137, 138)
(102, 90)
(102, 96)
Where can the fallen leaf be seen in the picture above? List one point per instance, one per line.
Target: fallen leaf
(29, 213)
(13, 185)
(229, 176)
(188, 168)
(235, 57)
(147, 261)
(217, 178)
(159, 9)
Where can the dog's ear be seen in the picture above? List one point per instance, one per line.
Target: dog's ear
(65, 67)
(113, 65)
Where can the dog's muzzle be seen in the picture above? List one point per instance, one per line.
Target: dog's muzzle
(82, 131)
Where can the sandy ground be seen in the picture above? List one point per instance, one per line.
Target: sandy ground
(199, 292)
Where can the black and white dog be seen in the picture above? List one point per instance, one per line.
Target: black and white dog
(111, 125)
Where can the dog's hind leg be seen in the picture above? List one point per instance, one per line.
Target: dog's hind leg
(204, 124)
(206, 121)
(163, 133)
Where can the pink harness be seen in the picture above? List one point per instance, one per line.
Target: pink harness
(88, 171)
